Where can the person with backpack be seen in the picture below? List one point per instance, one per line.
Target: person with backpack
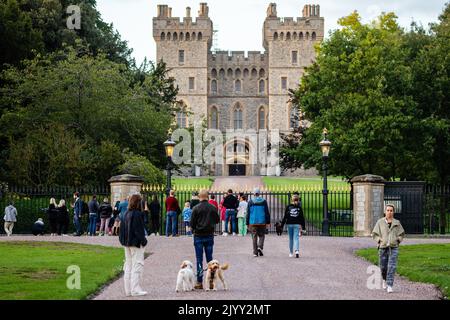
(258, 218)
(93, 212)
(77, 213)
(295, 221)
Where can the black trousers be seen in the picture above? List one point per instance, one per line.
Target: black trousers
(154, 223)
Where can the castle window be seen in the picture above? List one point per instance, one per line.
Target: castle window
(262, 86)
(294, 117)
(246, 73)
(288, 36)
(214, 73)
(238, 86)
(307, 36)
(193, 36)
(199, 37)
(237, 73)
(295, 57)
(188, 36)
(294, 36)
(214, 119)
(275, 36)
(313, 36)
(300, 36)
(222, 73)
(181, 115)
(191, 83)
(214, 86)
(175, 36)
(262, 73)
(254, 73)
(237, 117)
(230, 73)
(168, 36)
(163, 36)
(283, 83)
(180, 56)
(181, 36)
(262, 118)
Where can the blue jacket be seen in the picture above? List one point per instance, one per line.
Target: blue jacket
(123, 207)
(257, 212)
(187, 213)
(78, 207)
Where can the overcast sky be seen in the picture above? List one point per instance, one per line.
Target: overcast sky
(239, 22)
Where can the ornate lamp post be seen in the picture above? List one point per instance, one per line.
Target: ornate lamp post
(169, 145)
(325, 146)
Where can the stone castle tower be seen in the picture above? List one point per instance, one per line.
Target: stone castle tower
(237, 91)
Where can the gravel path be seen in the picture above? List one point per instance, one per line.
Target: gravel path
(222, 184)
(327, 269)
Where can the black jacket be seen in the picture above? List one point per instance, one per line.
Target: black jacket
(194, 202)
(231, 202)
(63, 214)
(132, 232)
(93, 206)
(52, 212)
(294, 215)
(105, 210)
(204, 218)
(155, 208)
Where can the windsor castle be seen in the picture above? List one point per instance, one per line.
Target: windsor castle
(237, 90)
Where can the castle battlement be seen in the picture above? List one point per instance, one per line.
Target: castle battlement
(224, 57)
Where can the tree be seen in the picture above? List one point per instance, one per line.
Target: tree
(140, 166)
(361, 89)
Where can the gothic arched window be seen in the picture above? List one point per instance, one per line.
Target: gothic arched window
(214, 118)
(163, 36)
(214, 86)
(262, 118)
(199, 36)
(313, 36)
(188, 36)
(181, 116)
(262, 86)
(237, 117)
(238, 86)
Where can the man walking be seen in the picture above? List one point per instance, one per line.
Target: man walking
(258, 218)
(231, 204)
(10, 218)
(203, 220)
(77, 212)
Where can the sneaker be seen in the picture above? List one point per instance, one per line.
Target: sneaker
(296, 254)
(139, 293)
(255, 255)
(260, 252)
(198, 286)
(290, 255)
(389, 289)
(157, 234)
(225, 234)
(384, 284)
(234, 233)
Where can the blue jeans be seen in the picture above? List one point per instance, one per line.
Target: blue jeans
(204, 243)
(293, 230)
(171, 223)
(77, 224)
(387, 260)
(230, 214)
(92, 224)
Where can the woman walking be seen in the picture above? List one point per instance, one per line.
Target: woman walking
(295, 220)
(53, 217)
(155, 209)
(388, 233)
(63, 218)
(105, 211)
(132, 237)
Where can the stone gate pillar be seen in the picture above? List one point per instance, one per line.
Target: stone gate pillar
(368, 203)
(124, 185)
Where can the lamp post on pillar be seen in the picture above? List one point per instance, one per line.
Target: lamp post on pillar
(325, 146)
(169, 145)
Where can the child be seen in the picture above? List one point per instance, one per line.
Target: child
(187, 213)
(242, 211)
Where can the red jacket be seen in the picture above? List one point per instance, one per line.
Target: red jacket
(214, 203)
(172, 204)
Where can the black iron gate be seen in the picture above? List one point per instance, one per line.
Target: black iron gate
(408, 199)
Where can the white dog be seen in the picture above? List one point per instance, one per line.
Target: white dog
(185, 279)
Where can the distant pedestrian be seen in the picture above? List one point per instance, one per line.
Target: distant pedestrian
(258, 218)
(52, 213)
(213, 201)
(194, 200)
(132, 237)
(123, 207)
(231, 204)
(145, 213)
(222, 211)
(93, 215)
(63, 218)
(77, 213)
(388, 233)
(155, 211)
(295, 221)
(116, 216)
(203, 221)
(172, 209)
(187, 213)
(105, 212)
(10, 218)
(38, 228)
(242, 213)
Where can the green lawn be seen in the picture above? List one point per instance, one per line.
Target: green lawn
(37, 270)
(428, 263)
(301, 183)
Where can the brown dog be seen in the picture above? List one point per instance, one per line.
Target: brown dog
(214, 272)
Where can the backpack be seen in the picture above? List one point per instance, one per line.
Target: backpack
(84, 207)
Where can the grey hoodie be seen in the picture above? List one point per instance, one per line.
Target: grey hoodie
(10, 214)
